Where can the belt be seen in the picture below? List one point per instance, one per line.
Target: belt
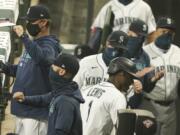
(163, 103)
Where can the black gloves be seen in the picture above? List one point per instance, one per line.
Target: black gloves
(4, 67)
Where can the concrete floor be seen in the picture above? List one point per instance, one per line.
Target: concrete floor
(9, 123)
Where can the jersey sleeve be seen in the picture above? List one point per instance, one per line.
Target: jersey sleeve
(80, 75)
(150, 20)
(100, 19)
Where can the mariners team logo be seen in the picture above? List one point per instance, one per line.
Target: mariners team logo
(144, 27)
(63, 66)
(121, 39)
(169, 21)
(148, 123)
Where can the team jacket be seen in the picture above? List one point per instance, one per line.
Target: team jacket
(32, 74)
(166, 88)
(99, 112)
(64, 109)
(125, 15)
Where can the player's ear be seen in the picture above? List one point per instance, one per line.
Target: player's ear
(62, 72)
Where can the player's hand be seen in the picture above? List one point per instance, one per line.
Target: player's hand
(18, 29)
(158, 76)
(138, 87)
(144, 71)
(19, 96)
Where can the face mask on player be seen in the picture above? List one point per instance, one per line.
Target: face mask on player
(111, 53)
(125, 2)
(33, 29)
(134, 45)
(164, 41)
(56, 80)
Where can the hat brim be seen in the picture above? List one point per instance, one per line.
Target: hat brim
(27, 18)
(133, 75)
(168, 27)
(119, 46)
(143, 34)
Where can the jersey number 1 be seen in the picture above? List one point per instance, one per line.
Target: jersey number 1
(90, 105)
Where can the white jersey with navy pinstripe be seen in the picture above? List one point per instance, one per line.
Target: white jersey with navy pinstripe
(99, 112)
(124, 15)
(166, 88)
(92, 71)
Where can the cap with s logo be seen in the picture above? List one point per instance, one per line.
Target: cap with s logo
(37, 12)
(139, 27)
(166, 22)
(118, 39)
(67, 62)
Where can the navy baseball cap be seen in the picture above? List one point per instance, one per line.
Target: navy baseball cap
(118, 39)
(68, 62)
(37, 12)
(139, 27)
(166, 22)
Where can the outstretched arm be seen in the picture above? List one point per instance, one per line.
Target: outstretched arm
(39, 100)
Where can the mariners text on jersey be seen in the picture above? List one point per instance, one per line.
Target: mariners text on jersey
(94, 80)
(124, 20)
(170, 69)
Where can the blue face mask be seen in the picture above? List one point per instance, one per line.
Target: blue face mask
(111, 53)
(164, 41)
(134, 46)
(56, 80)
(125, 2)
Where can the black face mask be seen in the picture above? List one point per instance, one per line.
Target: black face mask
(164, 41)
(134, 46)
(56, 80)
(33, 29)
(111, 53)
(125, 2)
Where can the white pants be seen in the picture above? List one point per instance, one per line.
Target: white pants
(27, 126)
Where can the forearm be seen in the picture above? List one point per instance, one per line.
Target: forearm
(150, 38)
(39, 100)
(95, 40)
(135, 100)
(148, 85)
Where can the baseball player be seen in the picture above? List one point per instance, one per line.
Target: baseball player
(125, 12)
(137, 33)
(93, 69)
(164, 56)
(64, 100)
(32, 70)
(99, 112)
